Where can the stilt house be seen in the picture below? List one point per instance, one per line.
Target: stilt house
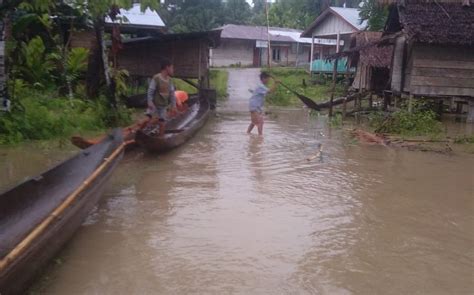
(433, 49)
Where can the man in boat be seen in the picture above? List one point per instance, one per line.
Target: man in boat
(161, 94)
(257, 100)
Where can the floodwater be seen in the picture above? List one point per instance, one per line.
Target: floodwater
(230, 213)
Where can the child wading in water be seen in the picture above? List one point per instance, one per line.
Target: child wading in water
(257, 100)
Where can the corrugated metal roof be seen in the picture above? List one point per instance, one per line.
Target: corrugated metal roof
(296, 36)
(250, 33)
(351, 15)
(348, 15)
(135, 17)
(276, 34)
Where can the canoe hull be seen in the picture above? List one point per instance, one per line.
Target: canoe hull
(188, 125)
(18, 274)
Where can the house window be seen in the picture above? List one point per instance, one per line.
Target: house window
(276, 54)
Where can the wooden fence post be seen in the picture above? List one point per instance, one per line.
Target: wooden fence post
(334, 76)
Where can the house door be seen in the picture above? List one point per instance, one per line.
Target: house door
(256, 57)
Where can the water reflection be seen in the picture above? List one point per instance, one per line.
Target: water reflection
(255, 157)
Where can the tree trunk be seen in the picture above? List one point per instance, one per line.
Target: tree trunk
(98, 67)
(108, 79)
(5, 102)
(94, 67)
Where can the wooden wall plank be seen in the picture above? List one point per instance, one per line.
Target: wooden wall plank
(439, 52)
(442, 81)
(441, 91)
(143, 59)
(443, 72)
(446, 64)
(332, 24)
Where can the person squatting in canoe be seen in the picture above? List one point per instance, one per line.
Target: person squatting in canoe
(161, 94)
(257, 100)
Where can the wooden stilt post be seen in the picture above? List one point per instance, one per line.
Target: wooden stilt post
(370, 100)
(470, 111)
(344, 107)
(297, 53)
(334, 76)
(269, 61)
(311, 57)
(410, 103)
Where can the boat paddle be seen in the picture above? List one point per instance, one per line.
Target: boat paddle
(306, 100)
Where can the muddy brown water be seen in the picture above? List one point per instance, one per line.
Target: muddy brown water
(230, 213)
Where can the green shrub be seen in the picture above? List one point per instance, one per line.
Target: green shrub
(37, 65)
(44, 117)
(421, 121)
(336, 121)
(465, 139)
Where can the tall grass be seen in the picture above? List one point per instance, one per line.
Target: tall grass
(219, 80)
(39, 116)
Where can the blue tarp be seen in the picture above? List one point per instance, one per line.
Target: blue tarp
(324, 66)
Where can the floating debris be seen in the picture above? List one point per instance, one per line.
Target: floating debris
(319, 154)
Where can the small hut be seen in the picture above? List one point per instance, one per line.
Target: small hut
(433, 50)
(372, 62)
(189, 53)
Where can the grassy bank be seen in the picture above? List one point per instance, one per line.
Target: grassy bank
(218, 81)
(42, 115)
(293, 78)
(38, 116)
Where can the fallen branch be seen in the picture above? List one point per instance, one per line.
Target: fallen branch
(418, 140)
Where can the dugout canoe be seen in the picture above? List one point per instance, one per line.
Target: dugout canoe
(39, 215)
(128, 135)
(136, 101)
(178, 130)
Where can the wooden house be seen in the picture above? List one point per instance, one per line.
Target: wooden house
(189, 53)
(137, 22)
(245, 46)
(337, 23)
(433, 50)
(133, 22)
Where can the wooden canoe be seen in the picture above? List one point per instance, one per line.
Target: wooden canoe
(128, 135)
(136, 101)
(39, 215)
(183, 127)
